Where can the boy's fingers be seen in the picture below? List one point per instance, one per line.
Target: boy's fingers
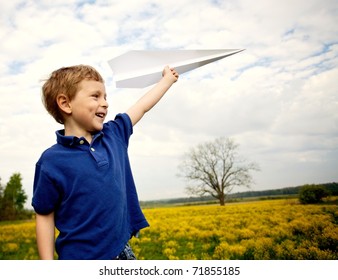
(170, 70)
(175, 73)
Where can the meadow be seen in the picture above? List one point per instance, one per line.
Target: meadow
(261, 230)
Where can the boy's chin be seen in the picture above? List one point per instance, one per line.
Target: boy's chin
(97, 128)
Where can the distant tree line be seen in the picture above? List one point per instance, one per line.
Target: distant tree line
(310, 194)
(13, 199)
(332, 189)
(329, 189)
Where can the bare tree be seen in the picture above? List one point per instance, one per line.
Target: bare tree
(217, 168)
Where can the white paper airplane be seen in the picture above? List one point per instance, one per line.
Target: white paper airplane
(141, 68)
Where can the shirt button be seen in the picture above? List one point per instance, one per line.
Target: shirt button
(81, 142)
(92, 149)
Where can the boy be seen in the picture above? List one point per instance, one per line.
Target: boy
(83, 185)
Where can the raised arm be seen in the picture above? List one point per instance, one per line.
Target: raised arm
(45, 233)
(148, 101)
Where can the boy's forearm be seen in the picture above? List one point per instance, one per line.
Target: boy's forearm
(45, 233)
(154, 95)
(149, 100)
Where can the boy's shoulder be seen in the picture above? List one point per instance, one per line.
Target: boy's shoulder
(50, 151)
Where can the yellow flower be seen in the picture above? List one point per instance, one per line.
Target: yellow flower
(10, 247)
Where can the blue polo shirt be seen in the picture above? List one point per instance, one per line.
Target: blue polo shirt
(90, 189)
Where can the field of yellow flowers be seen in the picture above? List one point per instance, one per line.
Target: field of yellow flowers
(271, 229)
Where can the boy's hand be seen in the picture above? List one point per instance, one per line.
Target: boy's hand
(170, 73)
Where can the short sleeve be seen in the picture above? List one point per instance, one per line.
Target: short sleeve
(45, 193)
(122, 126)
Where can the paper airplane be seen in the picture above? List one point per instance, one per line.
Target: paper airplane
(141, 68)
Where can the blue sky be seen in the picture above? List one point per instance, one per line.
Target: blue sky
(278, 99)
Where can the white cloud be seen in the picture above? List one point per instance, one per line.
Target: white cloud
(278, 98)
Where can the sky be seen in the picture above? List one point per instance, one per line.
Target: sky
(278, 99)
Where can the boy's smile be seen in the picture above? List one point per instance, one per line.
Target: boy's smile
(88, 109)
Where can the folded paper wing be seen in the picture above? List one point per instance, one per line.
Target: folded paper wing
(140, 68)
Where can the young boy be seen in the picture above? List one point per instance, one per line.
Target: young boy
(83, 184)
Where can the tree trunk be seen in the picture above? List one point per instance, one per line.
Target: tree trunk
(222, 200)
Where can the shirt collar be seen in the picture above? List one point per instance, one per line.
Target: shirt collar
(73, 140)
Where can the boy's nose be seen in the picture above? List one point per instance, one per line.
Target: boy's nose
(104, 103)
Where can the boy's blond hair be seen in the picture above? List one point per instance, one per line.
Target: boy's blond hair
(65, 81)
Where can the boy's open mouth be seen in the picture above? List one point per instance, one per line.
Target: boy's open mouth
(100, 115)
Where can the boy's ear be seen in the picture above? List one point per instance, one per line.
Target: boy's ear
(64, 103)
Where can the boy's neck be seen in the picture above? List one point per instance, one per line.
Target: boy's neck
(70, 131)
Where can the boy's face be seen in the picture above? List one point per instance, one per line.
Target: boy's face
(89, 107)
